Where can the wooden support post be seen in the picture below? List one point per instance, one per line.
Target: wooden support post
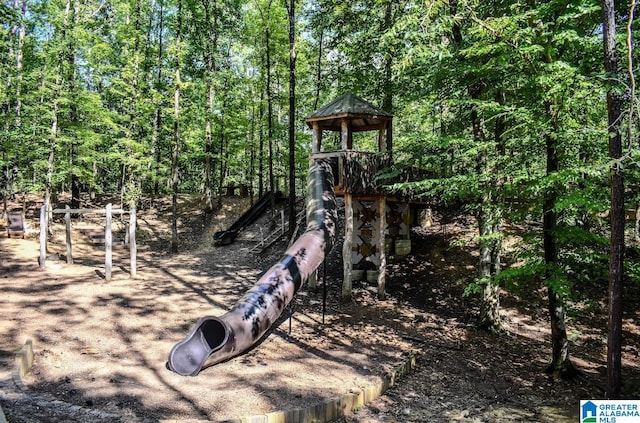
(108, 245)
(133, 249)
(312, 281)
(346, 138)
(67, 220)
(316, 140)
(382, 228)
(382, 142)
(43, 236)
(347, 246)
(389, 132)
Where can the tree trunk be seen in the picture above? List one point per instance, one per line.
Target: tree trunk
(490, 314)
(489, 317)
(157, 134)
(617, 245)
(211, 49)
(269, 113)
(71, 59)
(222, 152)
(261, 146)
(490, 245)
(319, 70)
(387, 103)
(12, 134)
(560, 365)
(176, 136)
(133, 187)
(19, 65)
(53, 142)
(208, 151)
(53, 133)
(267, 37)
(292, 116)
(252, 153)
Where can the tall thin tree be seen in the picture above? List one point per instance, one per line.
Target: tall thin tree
(211, 47)
(292, 115)
(617, 246)
(157, 135)
(267, 40)
(55, 112)
(175, 171)
(560, 365)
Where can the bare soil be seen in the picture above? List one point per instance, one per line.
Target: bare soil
(101, 346)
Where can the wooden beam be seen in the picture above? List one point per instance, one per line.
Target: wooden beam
(346, 137)
(316, 142)
(346, 247)
(382, 142)
(382, 227)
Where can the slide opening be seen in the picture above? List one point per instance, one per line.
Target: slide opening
(214, 333)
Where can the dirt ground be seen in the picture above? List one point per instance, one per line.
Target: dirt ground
(101, 346)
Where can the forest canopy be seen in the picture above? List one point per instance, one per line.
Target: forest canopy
(90, 86)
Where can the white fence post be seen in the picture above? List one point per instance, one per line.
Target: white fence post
(132, 241)
(43, 236)
(108, 245)
(67, 219)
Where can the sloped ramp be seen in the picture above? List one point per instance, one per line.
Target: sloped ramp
(228, 236)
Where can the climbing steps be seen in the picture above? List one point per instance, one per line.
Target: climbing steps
(278, 233)
(228, 236)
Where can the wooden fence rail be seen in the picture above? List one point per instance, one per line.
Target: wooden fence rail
(109, 211)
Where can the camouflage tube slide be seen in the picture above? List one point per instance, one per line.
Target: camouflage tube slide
(215, 339)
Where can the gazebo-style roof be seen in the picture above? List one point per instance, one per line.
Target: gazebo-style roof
(348, 114)
(362, 115)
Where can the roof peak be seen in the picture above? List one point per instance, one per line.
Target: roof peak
(348, 103)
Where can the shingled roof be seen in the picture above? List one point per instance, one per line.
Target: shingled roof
(363, 116)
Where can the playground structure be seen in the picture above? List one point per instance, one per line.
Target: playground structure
(366, 208)
(374, 224)
(109, 211)
(215, 339)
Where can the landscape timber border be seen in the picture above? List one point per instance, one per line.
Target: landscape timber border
(326, 411)
(108, 238)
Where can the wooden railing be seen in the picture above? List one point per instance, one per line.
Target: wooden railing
(355, 171)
